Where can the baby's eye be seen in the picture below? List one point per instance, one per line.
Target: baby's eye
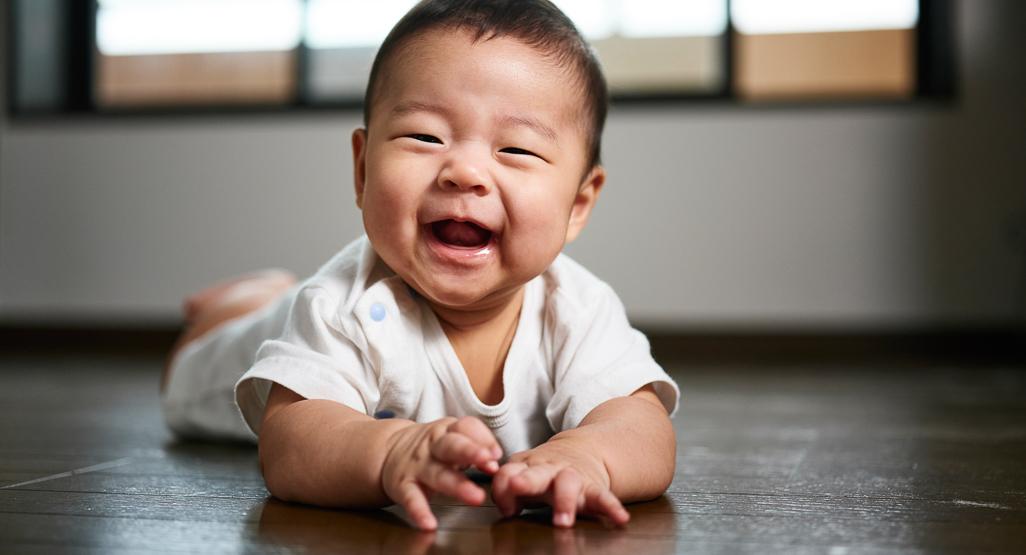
(425, 138)
(518, 151)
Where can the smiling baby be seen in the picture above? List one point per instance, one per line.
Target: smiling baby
(454, 334)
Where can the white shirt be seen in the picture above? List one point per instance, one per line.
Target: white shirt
(358, 335)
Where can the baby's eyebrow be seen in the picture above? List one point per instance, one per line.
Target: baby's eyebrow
(511, 120)
(411, 106)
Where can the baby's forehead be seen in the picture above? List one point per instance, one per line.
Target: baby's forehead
(570, 93)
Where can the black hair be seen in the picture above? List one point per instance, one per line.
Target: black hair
(537, 23)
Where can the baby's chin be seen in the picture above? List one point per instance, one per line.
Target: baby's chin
(467, 298)
(477, 290)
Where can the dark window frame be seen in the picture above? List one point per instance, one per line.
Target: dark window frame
(935, 70)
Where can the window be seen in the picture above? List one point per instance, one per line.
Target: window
(342, 38)
(181, 52)
(796, 49)
(654, 46)
(118, 55)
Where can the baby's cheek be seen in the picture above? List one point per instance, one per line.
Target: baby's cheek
(544, 221)
(532, 256)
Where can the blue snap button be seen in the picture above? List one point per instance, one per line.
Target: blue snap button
(413, 292)
(384, 415)
(377, 312)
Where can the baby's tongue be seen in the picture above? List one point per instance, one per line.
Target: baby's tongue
(460, 234)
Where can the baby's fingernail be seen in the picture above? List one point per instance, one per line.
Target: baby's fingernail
(496, 452)
(562, 519)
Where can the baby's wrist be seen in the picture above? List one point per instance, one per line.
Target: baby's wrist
(393, 431)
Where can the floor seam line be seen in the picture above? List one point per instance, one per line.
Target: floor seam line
(85, 470)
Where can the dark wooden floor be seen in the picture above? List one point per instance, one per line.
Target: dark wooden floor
(828, 460)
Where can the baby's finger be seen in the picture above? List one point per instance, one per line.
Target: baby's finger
(502, 494)
(479, 432)
(458, 449)
(411, 498)
(566, 495)
(534, 481)
(599, 501)
(446, 479)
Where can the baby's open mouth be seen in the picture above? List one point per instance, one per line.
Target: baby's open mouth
(461, 234)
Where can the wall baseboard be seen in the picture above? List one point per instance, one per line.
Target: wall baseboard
(87, 339)
(977, 345)
(1000, 345)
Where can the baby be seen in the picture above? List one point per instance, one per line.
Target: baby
(454, 334)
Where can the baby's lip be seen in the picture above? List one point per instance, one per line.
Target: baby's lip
(462, 219)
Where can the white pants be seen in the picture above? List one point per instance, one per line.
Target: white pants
(199, 401)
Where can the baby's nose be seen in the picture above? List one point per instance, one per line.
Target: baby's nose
(466, 171)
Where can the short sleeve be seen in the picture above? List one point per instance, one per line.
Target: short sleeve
(598, 357)
(313, 357)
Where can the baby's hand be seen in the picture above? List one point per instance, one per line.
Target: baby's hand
(564, 476)
(425, 459)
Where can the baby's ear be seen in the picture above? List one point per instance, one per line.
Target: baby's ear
(359, 141)
(587, 194)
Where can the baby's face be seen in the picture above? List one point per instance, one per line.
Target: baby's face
(470, 174)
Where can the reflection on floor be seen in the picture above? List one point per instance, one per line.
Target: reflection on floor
(807, 459)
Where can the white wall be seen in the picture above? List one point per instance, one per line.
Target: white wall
(715, 214)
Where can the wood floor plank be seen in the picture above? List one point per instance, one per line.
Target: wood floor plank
(312, 530)
(141, 484)
(40, 533)
(834, 460)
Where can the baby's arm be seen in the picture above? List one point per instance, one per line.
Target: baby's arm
(325, 453)
(623, 451)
